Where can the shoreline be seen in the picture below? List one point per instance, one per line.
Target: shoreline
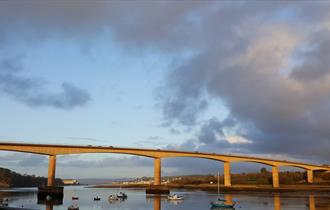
(235, 188)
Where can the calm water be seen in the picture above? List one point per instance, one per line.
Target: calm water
(194, 200)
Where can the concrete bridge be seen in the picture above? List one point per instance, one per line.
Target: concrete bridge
(53, 150)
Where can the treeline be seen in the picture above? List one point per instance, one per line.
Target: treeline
(264, 177)
(10, 178)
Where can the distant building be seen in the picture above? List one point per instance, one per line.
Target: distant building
(70, 181)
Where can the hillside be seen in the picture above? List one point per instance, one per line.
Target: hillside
(10, 178)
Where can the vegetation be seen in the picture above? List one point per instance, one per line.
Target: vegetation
(9, 178)
(264, 177)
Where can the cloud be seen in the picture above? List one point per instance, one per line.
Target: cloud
(266, 61)
(31, 91)
(271, 74)
(123, 162)
(34, 161)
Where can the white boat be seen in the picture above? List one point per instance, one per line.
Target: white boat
(175, 197)
(122, 195)
(75, 197)
(113, 197)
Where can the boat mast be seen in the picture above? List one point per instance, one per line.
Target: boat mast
(218, 183)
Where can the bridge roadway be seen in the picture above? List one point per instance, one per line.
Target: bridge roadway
(53, 150)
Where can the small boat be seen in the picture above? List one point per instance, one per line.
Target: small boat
(113, 198)
(73, 207)
(122, 195)
(75, 197)
(222, 205)
(97, 198)
(174, 197)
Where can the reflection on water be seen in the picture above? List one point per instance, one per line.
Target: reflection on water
(157, 203)
(193, 200)
(311, 202)
(277, 202)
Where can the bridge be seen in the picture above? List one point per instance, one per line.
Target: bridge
(157, 154)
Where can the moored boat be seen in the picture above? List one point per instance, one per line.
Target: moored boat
(175, 197)
(75, 197)
(122, 195)
(222, 205)
(73, 207)
(97, 198)
(113, 197)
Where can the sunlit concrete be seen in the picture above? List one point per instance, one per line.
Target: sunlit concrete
(51, 170)
(157, 171)
(276, 180)
(226, 172)
(157, 154)
(310, 176)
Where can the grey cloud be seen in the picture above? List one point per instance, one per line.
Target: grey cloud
(154, 138)
(31, 91)
(33, 161)
(248, 69)
(174, 131)
(133, 161)
(241, 54)
(315, 59)
(131, 23)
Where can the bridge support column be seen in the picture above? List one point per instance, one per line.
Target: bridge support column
(157, 188)
(50, 191)
(310, 176)
(276, 181)
(157, 171)
(226, 172)
(51, 171)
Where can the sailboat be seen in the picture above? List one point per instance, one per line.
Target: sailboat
(221, 203)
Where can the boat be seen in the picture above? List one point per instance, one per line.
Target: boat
(221, 203)
(75, 197)
(113, 198)
(175, 197)
(73, 207)
(122, 195)
(4, 202)
(97, 198)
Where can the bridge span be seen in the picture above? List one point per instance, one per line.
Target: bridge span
(53, 150)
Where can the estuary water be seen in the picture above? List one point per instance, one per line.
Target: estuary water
(194, 200)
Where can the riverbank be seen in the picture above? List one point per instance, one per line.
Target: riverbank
(234, 188)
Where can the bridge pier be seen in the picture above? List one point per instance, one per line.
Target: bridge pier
(157, 188)
(310, 176)
(157, 172)
(50, 192)
(226, 172)
(51, 170)
(276, 181)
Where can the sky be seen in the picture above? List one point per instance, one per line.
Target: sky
(231, 77)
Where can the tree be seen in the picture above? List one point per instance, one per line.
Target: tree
(263, 170)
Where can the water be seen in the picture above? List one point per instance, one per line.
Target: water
(194, 200)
